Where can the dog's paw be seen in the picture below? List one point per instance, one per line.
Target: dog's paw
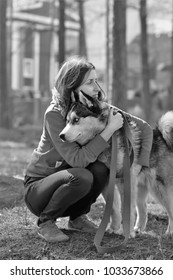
(132, 234)
(118, 231)
(168, 232)
(139, 230)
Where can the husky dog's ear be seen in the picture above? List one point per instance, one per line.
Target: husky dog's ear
(85, 99)
(74, 97)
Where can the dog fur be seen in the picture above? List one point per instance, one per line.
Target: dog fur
(86, 118)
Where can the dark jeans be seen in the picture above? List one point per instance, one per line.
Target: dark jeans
(69, 192)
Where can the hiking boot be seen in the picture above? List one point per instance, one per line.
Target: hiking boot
(51, 233)
(82, 224)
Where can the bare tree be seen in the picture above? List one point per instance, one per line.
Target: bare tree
(171, 82)
(61, 31)
(144, 57)
(107, 44)
(82, 37)
(119, 78)
(4, 110)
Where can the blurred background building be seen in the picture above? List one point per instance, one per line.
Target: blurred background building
(33, 50)
(34, 44)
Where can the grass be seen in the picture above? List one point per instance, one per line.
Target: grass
(18, 231)
(19, 240)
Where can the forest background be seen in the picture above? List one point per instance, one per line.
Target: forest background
(131, 44)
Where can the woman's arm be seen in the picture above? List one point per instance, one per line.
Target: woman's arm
(74, 154)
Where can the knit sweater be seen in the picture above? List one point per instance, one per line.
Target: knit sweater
(52, 153)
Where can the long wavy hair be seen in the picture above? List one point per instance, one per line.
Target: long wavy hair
(68, 79)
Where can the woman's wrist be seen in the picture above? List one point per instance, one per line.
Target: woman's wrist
(107, 133)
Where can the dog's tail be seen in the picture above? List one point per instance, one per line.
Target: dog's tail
(165, 125)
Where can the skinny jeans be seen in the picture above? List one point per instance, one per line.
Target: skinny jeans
(68, 192)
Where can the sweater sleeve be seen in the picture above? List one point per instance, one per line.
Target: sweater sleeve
(74, 154)
(146, 137)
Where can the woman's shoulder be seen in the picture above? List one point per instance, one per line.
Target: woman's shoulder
(53, 115)
(53, 107)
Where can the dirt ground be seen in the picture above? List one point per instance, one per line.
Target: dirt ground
(18, 232)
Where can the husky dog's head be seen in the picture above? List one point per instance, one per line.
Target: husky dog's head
(86, 118)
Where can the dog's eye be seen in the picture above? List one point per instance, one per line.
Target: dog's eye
(75, 120)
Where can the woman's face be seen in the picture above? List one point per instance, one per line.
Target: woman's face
(89, 84)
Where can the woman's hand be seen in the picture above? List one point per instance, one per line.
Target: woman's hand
(115, 120)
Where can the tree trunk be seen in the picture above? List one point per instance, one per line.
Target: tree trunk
(4, 110)
(107, 46)
(61, 31)
(144, 57)
(171, 81)
(82, 37)
(119, 79)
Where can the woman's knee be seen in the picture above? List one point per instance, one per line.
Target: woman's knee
(100, 174)
(99, 169)
(84, 179)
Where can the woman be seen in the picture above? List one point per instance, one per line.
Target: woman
(65, 179)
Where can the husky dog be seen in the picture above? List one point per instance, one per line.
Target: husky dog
(86, 118)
